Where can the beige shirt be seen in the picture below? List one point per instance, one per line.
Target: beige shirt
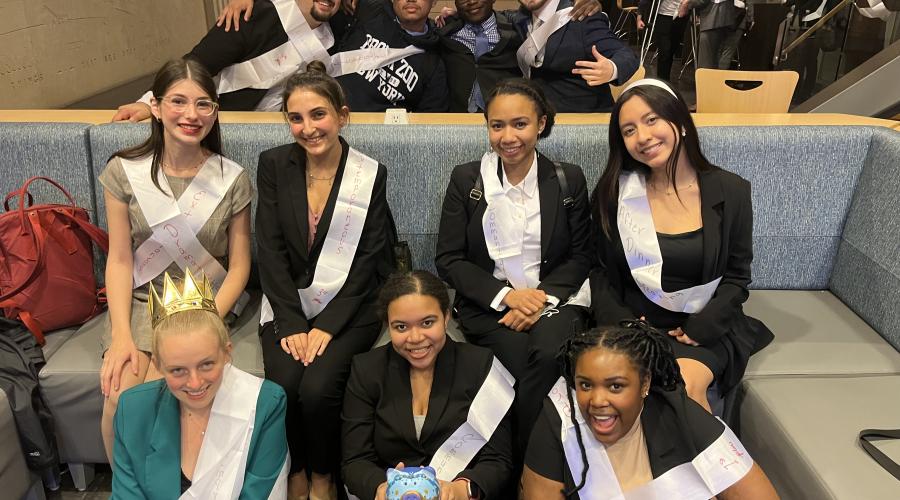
(629, 458)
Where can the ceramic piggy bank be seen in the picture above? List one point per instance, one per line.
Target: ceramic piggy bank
(413, 483)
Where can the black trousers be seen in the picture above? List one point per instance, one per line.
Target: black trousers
(529, 356)
(668, 35)
(315, 394)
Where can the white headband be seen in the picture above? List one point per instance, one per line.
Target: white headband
(652, 82)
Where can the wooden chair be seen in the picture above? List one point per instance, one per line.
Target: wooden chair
(625, 14)
(774, 94)
(618, 89)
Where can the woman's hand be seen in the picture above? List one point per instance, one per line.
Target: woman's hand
(682, 337)
(456, 490)
(381, 492)
(316, 344)
(526, 300)
(516, 320)
(640, 23)
(121, 351)
(295, 345)
(231, 13)
(683, 8)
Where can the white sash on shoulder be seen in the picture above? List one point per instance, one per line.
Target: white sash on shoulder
(342, 239)
(537, 40)
(265, 71)
(219, 472)
(488, 408)
(175, 223)
(715, 469)
(503, 235)
(360, 60)
(638, 234)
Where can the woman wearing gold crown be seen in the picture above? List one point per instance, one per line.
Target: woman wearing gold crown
(320, 230)
(217, 428)
(172, 202)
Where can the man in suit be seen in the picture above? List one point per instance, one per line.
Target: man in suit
(261, 47)
(722, 24)
(479, 49)
(576, 62)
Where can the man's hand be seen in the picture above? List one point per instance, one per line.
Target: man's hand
(597, 72)
(516, 320)
(526, 300)
(231, 14)
(583, 9)
(132, 112)
(682, 337)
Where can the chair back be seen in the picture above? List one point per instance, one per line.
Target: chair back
(773, 95)
(617, 90)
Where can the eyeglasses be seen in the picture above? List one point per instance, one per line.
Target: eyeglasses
(179, 103)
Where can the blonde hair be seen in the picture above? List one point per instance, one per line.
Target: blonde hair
(190, 321)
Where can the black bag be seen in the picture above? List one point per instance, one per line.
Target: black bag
(400, 256)
(20, 361)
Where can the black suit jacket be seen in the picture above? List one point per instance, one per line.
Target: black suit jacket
(462, 69)
(462, 257)
(282, 232)
(727, 215)
(379, 430)
(573, 42)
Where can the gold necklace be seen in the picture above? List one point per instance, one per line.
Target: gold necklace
(310, 175)
(172, 168)
(670, 193)
(190, 419)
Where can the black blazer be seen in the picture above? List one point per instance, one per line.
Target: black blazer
(727, 215)
(282, 232)
(379, 430)
(573, 42)
(462, 69)
(676, 430)
(462, 257)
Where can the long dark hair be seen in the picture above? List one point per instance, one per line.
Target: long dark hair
(530, 90)
(171, 73)
(670, 108)
(636, 339)
(408, 283)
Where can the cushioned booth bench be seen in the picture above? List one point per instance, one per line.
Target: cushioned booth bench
(826, 275)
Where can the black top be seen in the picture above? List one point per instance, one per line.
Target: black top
(417, 82)
(676, 430)
(379, 430)
(682, 256)
(185, 483)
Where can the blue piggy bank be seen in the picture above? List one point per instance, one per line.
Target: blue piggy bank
(413, 483)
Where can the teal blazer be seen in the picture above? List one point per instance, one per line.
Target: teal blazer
(147, 449)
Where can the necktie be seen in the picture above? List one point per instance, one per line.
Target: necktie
(482, 46)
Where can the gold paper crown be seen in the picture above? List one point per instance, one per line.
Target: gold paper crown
(194, 295)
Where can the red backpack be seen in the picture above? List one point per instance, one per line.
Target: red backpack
(47, 262)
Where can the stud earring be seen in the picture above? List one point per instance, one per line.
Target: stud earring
(683, 132)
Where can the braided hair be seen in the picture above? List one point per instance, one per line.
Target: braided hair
(644, 345)
(529, 90)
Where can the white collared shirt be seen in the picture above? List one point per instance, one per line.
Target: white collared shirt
(538, 18)
(525, 196)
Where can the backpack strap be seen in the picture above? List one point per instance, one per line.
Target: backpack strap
(567, 201)
(868, 435)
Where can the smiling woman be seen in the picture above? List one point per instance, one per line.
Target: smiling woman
(318, 310)
(415, 401)
(619, 418)
(160, 433)
(514, 243)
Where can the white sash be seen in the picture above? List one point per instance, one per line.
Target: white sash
(537, 40)
(175, 223)
(360, 60)
(219, 472)
(342, 239)
(503, 236)
(638, 235)
(487, 410)
(715, 469)
(266, 70)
